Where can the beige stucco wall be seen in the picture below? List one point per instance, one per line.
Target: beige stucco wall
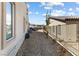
(68, 31)
(63, 29)
(70, 35)
(55, 22)
(71, 32)
(51, 31)
(0, 25)
(62, 36)
(10, 47)
(78, 32)
(53, 34)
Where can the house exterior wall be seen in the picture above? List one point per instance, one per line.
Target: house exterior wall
(0, 25)
(78, 32)
(71, 32)
(10, 47)
(69, 36)
(62, 35)
(53, 32)
(54, 24)
(68, 31)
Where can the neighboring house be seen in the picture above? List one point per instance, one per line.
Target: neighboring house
(13, 26)
(32, 25)
(37, 26)
(65, 30)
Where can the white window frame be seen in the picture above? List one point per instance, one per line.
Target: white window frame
(13, 20)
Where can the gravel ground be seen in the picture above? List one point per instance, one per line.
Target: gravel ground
(39, 45)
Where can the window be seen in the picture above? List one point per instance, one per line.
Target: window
(9, 20)
(53, 28)
(59, 29)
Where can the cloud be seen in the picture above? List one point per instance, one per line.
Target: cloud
(44, 14)
(56, 3)
(30, 12)
(52, 3)
(77, 2)
(62, 13)
(28, 6)
(58, 13)
(49, 5)
(77, 8)
(70, 9)
(43, 3)
(71, 14)
(36, 13)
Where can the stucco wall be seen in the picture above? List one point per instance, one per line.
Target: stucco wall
(0, 26)
(63, 29)
(71, 32)
(62, 36)
(68, 31)
(11, 46)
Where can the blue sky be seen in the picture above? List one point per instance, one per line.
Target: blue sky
(38, 10)
(8, 13)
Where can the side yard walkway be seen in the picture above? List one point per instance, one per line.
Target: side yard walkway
(39, 45)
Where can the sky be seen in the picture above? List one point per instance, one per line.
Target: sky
(37, 10)
(8, 13)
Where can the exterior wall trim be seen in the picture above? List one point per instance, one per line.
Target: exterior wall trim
(2, 20)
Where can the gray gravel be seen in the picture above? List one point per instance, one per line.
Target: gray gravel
(39, 45)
